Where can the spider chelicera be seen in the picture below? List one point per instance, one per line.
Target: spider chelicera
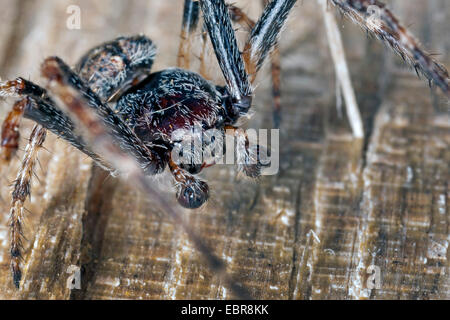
(115, 110)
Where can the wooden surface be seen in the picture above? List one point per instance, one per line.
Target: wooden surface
(336, 207)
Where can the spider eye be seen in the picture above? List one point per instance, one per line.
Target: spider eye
(193, 194)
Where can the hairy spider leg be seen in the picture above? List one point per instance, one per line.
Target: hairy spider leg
(21, 191)
(41, 109)
(203, 52)
(191, 17)
(248, 156)
(237, 15)
(190, 22)
(377, 20)
(191, 191)
(99, 135)
(191, 14)
(10, 134)
(36, 105)
(262, 40)
(223, 39)
(275, 69)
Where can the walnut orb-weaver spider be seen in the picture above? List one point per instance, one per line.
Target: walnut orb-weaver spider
(121, 71)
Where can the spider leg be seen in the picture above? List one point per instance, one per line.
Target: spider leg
(10, 130)
(342, 73)
(112, 67)
(35, 104)
(107, 69)
(21, 192)
(276, 86)
(237, 15)
(264, 35)
(191, 16)
(203, 53)
(248, 155)
(192, 192)
(106, 143)
(376, 19)
(221, 33)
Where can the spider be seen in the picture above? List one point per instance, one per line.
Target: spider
(115, 110)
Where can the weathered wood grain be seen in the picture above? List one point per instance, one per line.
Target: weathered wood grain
(336, 207)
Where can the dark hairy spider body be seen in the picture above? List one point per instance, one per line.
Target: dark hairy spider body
(171, 100)
(112, 108)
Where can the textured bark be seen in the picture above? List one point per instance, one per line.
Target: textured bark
(336, 207)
